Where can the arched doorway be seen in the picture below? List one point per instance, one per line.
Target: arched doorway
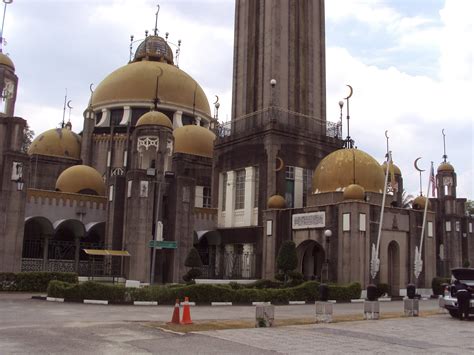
(393, 256)
(35, 239)
(311, 258)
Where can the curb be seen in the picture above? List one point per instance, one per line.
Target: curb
(96, 302)
(221, 303)
(296, 302)
(261, 303)
(181, 304)
(54, 299)
(145, 303)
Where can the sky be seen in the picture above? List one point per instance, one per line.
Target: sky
(410, 63)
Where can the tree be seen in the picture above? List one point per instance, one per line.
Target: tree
(287, 259)
(28, 135)
(470, 207)
(407, 199)
(193, 260)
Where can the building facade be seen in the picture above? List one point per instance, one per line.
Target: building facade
(153, 167)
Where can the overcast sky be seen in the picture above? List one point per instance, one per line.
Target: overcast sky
(410, 63)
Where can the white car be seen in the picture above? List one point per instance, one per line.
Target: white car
(466, 276)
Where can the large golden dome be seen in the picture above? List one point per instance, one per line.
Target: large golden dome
(5, 60)
(58, 142)
(154, 118)
(345, 167)
(136, 82)
(276, 202)
(154, 48)
(81, 179)
(194, 140)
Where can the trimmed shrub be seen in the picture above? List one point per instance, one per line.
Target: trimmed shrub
(307, 291)
(33, 281)
(383, 289)
(265, 284)
(287, 259)
(191, 275)
(345, 293)
(436, 284)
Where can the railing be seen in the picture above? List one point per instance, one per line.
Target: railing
(234, 266)
(285, 118)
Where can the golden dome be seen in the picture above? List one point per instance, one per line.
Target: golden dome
(277, 202)
(354, 192)
(194, 140)
(136, 82)
(336, 171)
(58, 142)
(396, 169)
(5, 60)
(419, 203)
(154, 118)
(81, 179)
(154, 48)
(445, 166)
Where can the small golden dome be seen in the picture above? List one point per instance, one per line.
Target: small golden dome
(154, 118)
(419, 203)
(81, 179)
(136, 82)
(396, 169)
(276, 202)
(154, 48)
(354, 192)
(58, 142)
(194, 140)
(345, 167)
(445, 166)
(5, 60)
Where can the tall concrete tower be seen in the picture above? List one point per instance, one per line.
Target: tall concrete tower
(281, 40)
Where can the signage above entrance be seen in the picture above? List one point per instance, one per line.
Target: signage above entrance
(309, 220)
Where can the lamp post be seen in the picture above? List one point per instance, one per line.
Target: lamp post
(327, 235)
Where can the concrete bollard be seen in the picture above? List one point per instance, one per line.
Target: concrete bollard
(323, 312)
(411, 307)
(371, 310)
(441, 303)
(264, 316)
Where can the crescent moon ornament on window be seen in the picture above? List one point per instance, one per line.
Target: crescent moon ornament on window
(416, 165)
(280, 165)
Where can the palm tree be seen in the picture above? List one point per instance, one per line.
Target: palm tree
(407, 199)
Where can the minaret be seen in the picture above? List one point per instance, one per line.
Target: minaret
(282, 40)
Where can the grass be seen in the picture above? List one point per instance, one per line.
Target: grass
(209, 325)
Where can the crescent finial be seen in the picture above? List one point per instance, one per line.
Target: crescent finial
(350, 92)
(442, 132)
(69, 104)
(416, 165)
(386, 134)
(90, 88)
(217, 99)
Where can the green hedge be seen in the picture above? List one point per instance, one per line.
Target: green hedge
(436, 284)
(199, 293)
(33, 281)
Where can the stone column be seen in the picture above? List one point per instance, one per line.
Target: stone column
(229, 260)
(77, 244)
(45, 251)
(247, 261)
(178, 119)
(249, 195)
(230, 199)
(298, 198)
(198, 121)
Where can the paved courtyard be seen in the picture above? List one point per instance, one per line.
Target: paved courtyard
(33, 326)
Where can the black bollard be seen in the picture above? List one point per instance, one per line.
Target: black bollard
(372, 292)
(324, 292)
(411, 291)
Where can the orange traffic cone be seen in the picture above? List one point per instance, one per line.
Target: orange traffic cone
(186, 312)
(175, 318)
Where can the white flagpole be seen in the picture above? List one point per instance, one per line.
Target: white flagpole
(375, 261)
(418, 253)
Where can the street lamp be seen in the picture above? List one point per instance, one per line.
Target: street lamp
(327, 235)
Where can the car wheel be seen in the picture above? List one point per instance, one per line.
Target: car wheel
(454, 313)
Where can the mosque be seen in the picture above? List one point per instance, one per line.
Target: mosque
(153, 173)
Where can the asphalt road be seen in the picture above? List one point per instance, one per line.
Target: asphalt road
(34, 326)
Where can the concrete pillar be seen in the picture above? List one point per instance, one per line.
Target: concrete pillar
(247, 261)
(198, 121)
(229, 261)
(230, 199)
(178, 119)
(199, 196)
(249, 195)
(298, 198)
